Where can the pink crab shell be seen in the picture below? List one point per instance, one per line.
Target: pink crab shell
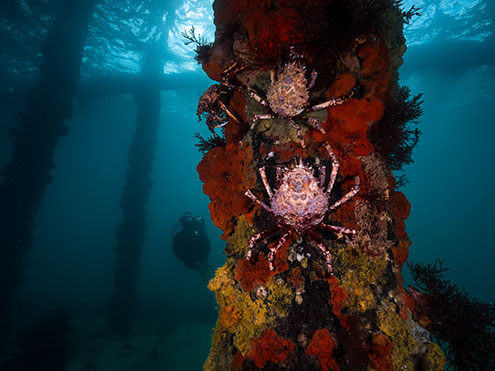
(299, 202)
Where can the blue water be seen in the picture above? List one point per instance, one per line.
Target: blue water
(451, 60)
(452, 178)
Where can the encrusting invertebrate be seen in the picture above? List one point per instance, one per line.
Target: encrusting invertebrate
(300, 204)
(288, 97)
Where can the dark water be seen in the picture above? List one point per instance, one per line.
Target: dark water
(453, 175)
(450, 60)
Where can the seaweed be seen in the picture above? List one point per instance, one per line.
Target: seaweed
(203, 46)
(408, 14)
(392, 136)
(205, 145)
(464, 326)
(401, 181)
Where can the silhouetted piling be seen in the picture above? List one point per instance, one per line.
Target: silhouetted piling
(132, 230)
(26, 176)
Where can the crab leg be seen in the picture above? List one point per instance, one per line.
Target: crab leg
(299, 132)
(348, 196)
(258, 99)
(258, 201)
(335, 169)
(324, 250)
(279, 174)
(328, 103)
(322, 176)
(228, 70)
(262, 116)
(226, 110)
(273, 250)
(333, 102)
(220, 125)
(210, 122)
(316, 123)
(265, 181)
(338, 229)
(256, 238)
(215, 118)
(314, 74)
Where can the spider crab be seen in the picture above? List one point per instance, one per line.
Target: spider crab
(300, 204)
(213, 103)
(288, 97)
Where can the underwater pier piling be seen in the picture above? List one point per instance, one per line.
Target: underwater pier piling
(24, 179)
(131, 232)
(292, 306)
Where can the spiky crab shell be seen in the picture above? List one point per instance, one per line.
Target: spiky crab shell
(288, 94)
(209, 97)
(299, 202)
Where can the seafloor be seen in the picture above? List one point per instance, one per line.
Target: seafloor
(183, 347)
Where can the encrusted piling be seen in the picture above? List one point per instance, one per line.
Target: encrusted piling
(334, 298)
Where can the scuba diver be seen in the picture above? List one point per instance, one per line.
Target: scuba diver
(191, 243)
